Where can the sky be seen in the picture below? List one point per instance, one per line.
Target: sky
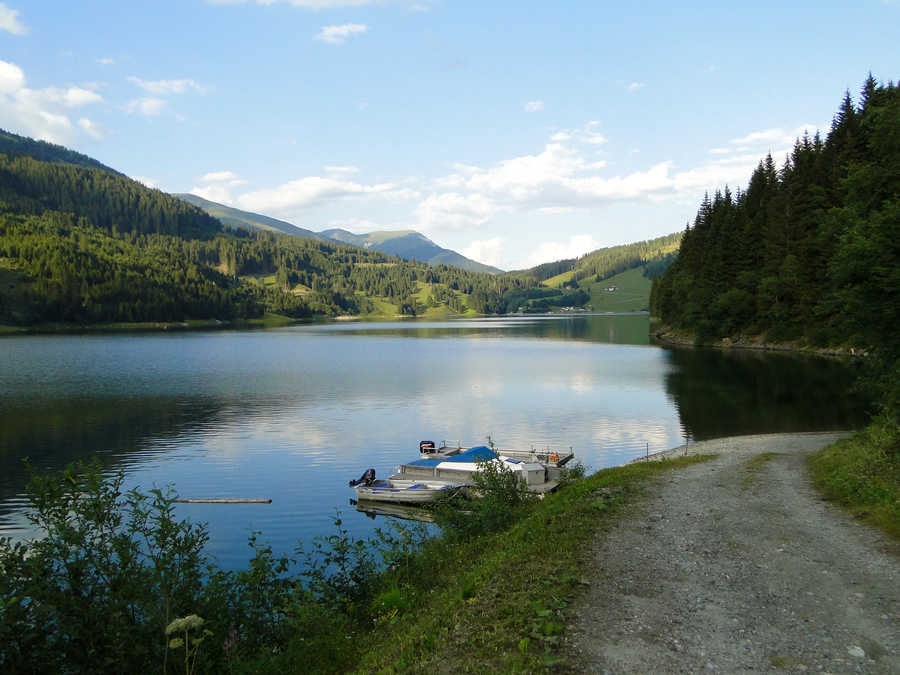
(515, 133)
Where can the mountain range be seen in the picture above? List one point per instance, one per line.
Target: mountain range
(406, 244)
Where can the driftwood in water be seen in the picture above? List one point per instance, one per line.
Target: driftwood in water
(225, 500)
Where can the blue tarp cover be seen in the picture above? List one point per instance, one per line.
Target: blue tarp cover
(481, 453)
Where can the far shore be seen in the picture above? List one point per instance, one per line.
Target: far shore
(671, 336)
(717, 446)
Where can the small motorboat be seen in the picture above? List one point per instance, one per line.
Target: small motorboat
(461, 465)
(401, 491)
(403, 511)
(549, 457)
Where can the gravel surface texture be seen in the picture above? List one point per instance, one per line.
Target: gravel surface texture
(738, 565)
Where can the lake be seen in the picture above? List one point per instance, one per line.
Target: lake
(292, 414)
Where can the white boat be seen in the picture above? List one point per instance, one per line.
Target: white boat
(404, 491)
(404, 511)
(550, 457)
(460, 465)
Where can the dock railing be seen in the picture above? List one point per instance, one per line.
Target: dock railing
(548, 455)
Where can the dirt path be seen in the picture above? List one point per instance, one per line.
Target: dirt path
(737, 565)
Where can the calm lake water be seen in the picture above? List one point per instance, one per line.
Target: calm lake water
(293, 414)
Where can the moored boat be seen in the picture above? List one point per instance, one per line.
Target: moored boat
(460, 464)
(404, 491)
(550, 457)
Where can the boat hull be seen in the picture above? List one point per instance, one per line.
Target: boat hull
(404, 491)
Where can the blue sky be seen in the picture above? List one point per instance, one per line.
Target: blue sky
(513, 132)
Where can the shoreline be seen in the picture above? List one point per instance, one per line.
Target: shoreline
(725, 444)
(667, 335)
(739, 564)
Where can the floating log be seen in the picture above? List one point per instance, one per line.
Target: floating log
(225, 500)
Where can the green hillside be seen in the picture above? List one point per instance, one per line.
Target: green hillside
(106, 199)
(406, 244)
(615, 279)
(807, 252)
(13, 145)
(409, 245)
(84, 245)
(245, 219)
(631, 294)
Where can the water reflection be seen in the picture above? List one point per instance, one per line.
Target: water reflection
(613, 329)
(726, 393)
(292, 414)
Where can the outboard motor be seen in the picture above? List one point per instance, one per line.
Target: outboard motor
(426, 447)
(368, 478)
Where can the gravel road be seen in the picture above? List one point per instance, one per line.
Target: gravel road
(738, 565)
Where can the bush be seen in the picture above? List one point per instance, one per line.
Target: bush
(863, 473)
(112, 571)
(115, 582)
(500, 498)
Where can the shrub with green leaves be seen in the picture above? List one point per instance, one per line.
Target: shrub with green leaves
(500, 499)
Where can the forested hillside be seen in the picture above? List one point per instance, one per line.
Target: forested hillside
(810, 250)
(409, 245)
(80, 243)
(655, 255)
(13, 145)
(236, 218)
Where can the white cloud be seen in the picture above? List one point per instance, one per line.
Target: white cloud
(562, 178)
(12, 79)
(148, 106)
(593, 138)
(308, 4)
(149, 182)
(164, 87)
(587, 134)
(534, 106)
(76, 96)
(219, 177)
(313, 191)
(487, 251)
(575, 247)
(337, 35)
(92, 129)
(773, 137)
(634, 86)
(9, 20)
(42, 113)
(341, 170)
(357, 225)
(214, 193)
(218, 185)
(455, 211)
(106, 61)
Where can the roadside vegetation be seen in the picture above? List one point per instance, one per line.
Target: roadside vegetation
(809, 256)
(862, 473)
(116, 582)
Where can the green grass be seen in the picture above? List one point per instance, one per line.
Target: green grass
(752, 466)
(270, 320)
(633, 292)
(862, 473)
(559, 279)
(383, 309)
(13, 285)
(500, 602)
